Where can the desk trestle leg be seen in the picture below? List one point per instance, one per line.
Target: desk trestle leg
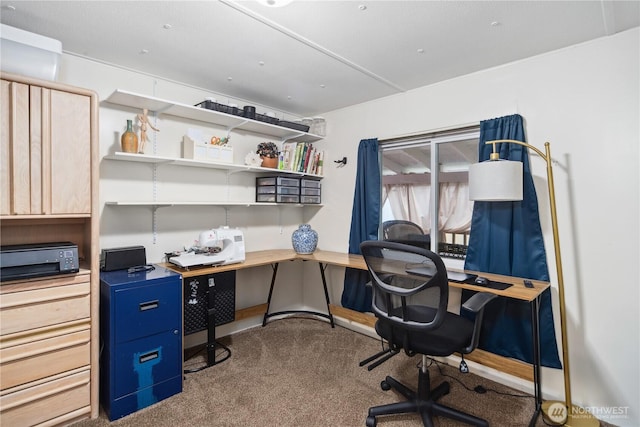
(273, 281)
(326, 315)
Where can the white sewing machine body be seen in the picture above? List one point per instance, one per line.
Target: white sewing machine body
(218, 246)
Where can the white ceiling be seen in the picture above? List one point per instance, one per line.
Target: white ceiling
(311, 57)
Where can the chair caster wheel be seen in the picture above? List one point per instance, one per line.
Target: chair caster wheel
(371, 421)
(385, 385)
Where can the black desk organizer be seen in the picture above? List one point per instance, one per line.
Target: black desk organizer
(209, 301)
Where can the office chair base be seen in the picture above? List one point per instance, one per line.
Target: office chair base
(422, 402)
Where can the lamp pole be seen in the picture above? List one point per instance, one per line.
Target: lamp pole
(573, 417)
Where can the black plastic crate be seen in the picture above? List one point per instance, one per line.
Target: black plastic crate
(210, 105)
(292, 125)
(267, 119)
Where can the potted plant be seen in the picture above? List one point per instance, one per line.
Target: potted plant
(268, 151)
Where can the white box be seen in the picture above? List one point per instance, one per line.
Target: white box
(29, 54)
(206, 152)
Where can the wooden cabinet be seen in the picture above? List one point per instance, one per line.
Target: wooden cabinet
(49, 332)
(46, 151)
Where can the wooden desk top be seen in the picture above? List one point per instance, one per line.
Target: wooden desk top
(252, 259)
(267, 257)
(517, 291)
(336, 258)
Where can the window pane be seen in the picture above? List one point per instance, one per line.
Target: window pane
(455, 210)
(409, 190)
(406, 180)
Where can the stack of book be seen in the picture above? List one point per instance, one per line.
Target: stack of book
(301, 157)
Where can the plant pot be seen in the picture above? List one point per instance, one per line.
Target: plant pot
(269, 162)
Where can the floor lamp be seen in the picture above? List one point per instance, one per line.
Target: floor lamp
(501, 180)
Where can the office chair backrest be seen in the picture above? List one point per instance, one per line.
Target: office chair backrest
(399, 229)
(410, 284)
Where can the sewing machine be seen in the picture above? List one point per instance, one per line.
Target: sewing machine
(218, 246)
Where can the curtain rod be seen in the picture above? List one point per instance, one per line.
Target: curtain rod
(431, 134)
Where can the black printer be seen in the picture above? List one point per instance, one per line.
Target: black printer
(37, 259)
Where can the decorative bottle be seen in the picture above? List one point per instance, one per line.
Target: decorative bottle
(304, 239)
(129, 139)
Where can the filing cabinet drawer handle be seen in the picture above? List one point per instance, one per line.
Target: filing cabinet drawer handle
(149, 305)
(149, 356)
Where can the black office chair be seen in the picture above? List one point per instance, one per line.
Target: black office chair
(410, 297)
(402, 231)
(399, 229)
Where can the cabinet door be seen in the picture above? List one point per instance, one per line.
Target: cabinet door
(45, 151)
(15, 191)
(70, 172)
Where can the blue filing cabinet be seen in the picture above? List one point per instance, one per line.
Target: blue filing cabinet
(141, 337)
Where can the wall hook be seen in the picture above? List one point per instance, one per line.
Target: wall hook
(341, 162)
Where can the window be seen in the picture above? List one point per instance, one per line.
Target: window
(434, 201)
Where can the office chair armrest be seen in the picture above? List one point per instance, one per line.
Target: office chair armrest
(476, 305)
(478, 301)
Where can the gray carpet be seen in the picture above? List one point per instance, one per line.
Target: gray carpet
(300, 372)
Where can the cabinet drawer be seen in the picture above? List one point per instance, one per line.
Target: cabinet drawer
(46, 401)
(23, 363)
(309, 183)
(141, 399)
(309, 191)
(21, 311)
(147, 310)
(142, 363)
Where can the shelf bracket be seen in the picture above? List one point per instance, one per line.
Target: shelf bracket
(292, 137)
(230, 128)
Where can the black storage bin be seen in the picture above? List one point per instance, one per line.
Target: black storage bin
(277, 189)
(293, 125)
(267, 119)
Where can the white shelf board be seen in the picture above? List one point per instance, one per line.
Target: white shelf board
(223, 204)
(146, 158)
(162, 106)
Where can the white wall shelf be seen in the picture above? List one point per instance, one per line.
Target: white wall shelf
(160, 160)
(161, 106)
(229, 167)
(230, 122)
(223, 204)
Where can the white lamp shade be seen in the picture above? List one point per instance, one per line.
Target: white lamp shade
(495, 181)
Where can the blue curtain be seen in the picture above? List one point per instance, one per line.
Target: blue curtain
(365, 218)
(506, 238)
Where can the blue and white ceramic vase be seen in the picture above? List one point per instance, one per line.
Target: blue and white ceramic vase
(304, 239)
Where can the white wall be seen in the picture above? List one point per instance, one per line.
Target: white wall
(176, 227)
(584, 100)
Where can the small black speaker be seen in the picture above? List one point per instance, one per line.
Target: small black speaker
(122, 258)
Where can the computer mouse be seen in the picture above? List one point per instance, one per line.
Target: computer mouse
(481, 281)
